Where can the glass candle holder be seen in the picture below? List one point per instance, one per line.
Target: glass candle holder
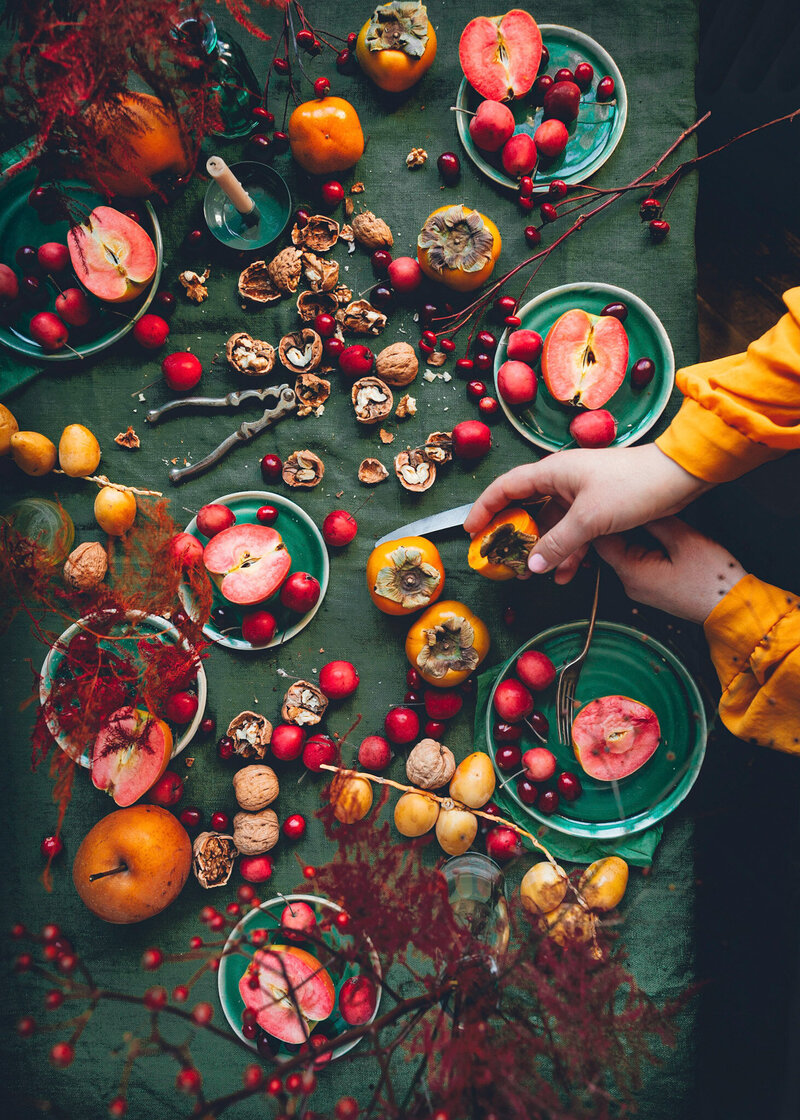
(476, 892)
(45, 524)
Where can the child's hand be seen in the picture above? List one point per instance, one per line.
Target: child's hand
(594, 493)
(686, 577)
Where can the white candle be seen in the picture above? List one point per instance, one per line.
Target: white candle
(222, 174)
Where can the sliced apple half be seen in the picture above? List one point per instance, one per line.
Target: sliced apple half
(112, 255)
(247, 562)
(500, 55)
(130, 754)
(289, 991)
(613, 736)
(585, 358)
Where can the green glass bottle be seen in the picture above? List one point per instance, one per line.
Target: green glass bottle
(234, 87)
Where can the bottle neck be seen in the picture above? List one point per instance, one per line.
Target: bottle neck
(198, 33)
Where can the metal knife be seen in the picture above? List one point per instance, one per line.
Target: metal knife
(447, 519)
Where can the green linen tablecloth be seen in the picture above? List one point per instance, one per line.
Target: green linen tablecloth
(655, 49)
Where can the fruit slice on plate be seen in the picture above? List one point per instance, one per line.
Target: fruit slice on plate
(500, 55)
(613, 736)
(289, 991)
(247, 562)
(130, 754)
(585, 358)
(112, 255)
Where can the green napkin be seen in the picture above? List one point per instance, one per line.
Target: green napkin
(637, 849)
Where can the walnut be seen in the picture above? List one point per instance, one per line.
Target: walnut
(311, 304)
(346, 233)
(303, 704)
(342, 293)
(430, 764)
(357, 188)
(319, 234)
(255, 833)
(321, 275)
(249, 356)
(284, 270)
(407, 406)
(348, 207)
(255, 284)
(86, 566)
(397, 364)
(128, 439)
(439, 447)
(372, 471)
(415, 471)
(251, 734)
(385, 437)
(360, 317)
(416, 157)
(194, 285)
(303, 468)
(371, 232)
(255, 787)
(436, 358)
(372, 400)
(300, 351)
(311, 392)
(213, 854)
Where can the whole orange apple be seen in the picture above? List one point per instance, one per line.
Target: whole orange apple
(132, 864)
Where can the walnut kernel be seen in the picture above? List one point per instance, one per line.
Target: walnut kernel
(303, 468)
(212, 858)
(251, 734)
(416, 157)
(406, 406)
(372, 400)
(304, 704)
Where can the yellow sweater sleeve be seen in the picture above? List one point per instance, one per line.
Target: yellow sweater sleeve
(742, 410)
(754, 637)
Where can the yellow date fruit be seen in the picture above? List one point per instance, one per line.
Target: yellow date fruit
(603, 883)
(415, 814)
(474, 780)
(8, 426)
(543, 888)
(114, 510)
(78, 451)
(33, 453)
(352, 799)
(455, 830)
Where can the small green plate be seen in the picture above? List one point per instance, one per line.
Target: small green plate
(306, 548)
(20, 225)
(233, 965)
(546, 422)
(621, 661)
(593, 137)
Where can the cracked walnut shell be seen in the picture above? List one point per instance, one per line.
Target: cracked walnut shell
(397, 364)
(255, 833)
(311, 304)
(372, 400)
(371, 232)
(284, 270)
(319, 234)
(213, 854)
(360, 317)
(304, 704)
(250, 356)
(430, 764)
(415, 470)
(372, 471)
(86, 566)
(322, 275)
(439, 447)
(255, 787)
(300, 351)
(311, 392)
(251, 734)
(303, 468)
(255, 284)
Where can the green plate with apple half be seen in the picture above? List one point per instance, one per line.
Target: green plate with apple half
(267, 916)
(306, 548)
(20, 225)
(621, 661)
(546, 422)
(593, 136)
(125, 634)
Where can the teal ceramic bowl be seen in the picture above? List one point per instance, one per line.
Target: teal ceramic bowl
(306, 548)
(20, 225)
(546, 421)
(593, 137)
(621, 661)
(270, 194)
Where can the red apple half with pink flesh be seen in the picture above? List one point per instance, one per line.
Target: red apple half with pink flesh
(113, 256)
(247, 562)
(585, 358)
(130, 754)
(613, 736)
(500, 55)
(289, 991)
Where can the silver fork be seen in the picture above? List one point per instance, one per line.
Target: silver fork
(568, 677)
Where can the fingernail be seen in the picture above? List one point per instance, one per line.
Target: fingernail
(537, 563)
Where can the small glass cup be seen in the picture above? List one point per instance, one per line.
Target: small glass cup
(476, 894)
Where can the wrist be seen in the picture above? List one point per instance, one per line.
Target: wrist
(678, 486)
(715, 590)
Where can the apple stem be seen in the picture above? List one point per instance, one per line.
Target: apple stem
(111, 871)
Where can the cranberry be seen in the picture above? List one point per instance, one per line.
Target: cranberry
(650, 208)
(189, 1080)
(658, 229)
(281, 141)
(301, 218)
(260, 142)
(339, 528)
(267, 515)
(449, 166)
(53, 999)
(333, 347)
(322, 87)
(255, 869)
(345, 61)
(263, 116)
(61, 1055)
(486, 341)
(488, 407)
(414, 679)
(503, 843)
(434, 729)
(325, 325)
(557, 188)
(507, 732)
(525, 203)
(527, 791)
(225, 747)
(509, 616)
(155, 998)
(539, 724)
(448, 345)
(23, 963)
(428, 312)
(525, 191)
(412, 698)
(352, 39)
(533, 236)
(338, 679)
(583, 75)
(548, 212)
(181, 708)
(26, 1026)
(512, 322)
(208, 725)
(442, 703)
(605, 89)
(471, 439)
(356, 361)
(294, 827)
(332, 192)
(426, 347)
(293, 1083)
(274, 1087)
(167, 791)
(304, 38)
(569, 785)
(220, 821)
(476, 390)
(253, 1077)
(464, 367)
(505, 305)
(616, 310)
(191, 818)
(152, 959)
(401, 726)
(547, 801)
(319, 750)
(287, 741)
(280, 65)
(259, 627)
(429, 337)
(540, 88)
(483, 362)
(642, 372)
(271, 468)
(51, 932)
(508, 757)
(51, 847)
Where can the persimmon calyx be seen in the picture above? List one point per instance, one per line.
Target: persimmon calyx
(401, 25)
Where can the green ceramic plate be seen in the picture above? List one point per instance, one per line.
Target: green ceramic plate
(268, 916)
(126, 638)
(593, 137)
(546, 422)
(306, 548)
(621, 661)
(20, 225)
